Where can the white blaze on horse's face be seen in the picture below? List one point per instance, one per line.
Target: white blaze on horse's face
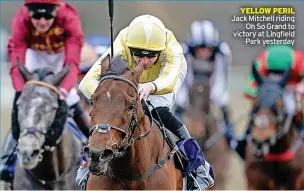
(262, 121)
(109, 95)
(36, 110)
(264, 125)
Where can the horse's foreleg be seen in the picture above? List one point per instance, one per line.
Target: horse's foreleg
(251, 187)
(300, 181)
(179, 178)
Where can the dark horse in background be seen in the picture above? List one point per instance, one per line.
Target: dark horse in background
(47, 151)
(206, 128)
(127, 150)
(274, 155)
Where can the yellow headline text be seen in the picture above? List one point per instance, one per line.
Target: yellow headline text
(268, 10)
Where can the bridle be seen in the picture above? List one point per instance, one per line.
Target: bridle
(128, 140)
(33, 130)
(283, 122)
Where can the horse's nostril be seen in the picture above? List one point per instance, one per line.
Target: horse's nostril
(86, 151)
(108, 153)
(35, 153)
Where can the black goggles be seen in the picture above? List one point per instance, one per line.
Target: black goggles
(47, 16)
(38, 11)
(144, 53)
(204, 46)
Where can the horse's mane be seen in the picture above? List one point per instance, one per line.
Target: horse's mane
(118, 65)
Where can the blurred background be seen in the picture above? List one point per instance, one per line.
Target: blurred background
(177, 16)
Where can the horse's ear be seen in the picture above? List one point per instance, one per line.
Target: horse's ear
(285, 78)
(138, 70)
(58, 78)
(23, 70)
(258, 78)
(105, 64)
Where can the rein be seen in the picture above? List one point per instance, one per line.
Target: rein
(120, 150)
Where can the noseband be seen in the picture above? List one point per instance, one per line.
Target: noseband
(120, 148)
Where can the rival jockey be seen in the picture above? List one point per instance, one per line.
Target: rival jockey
(45, 33)
(146, 40)
(210, 58)
(277, 59)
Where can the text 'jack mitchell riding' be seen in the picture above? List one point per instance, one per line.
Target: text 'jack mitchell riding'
(265, 14)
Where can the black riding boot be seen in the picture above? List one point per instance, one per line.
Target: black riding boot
(202, 174)
(242, 143)
(179, 112)
(171, 122)
(8, 160)
(81, 119)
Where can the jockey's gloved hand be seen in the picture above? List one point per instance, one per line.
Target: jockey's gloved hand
(63, 94)
(145, 89)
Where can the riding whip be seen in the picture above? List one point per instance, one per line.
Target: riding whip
(111, 10)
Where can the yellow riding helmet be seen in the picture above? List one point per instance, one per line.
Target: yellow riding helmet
(147, 32)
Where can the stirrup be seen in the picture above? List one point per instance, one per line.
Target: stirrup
(195, 184)
(82, 175)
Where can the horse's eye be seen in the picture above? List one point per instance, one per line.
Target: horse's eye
(131, 106)
(123, 135)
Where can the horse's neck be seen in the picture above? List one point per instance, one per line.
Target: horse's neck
(143, 154)
(206, 97)
(55, 162)
(202, 99)
(284, 143)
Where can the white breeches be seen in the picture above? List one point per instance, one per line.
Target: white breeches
(36, 60)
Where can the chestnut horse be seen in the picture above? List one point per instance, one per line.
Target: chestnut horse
(126, 150)
(207, 130)
(274, 154)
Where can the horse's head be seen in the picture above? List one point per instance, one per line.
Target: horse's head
(269, 119)
(115, 113)
(40, 114)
